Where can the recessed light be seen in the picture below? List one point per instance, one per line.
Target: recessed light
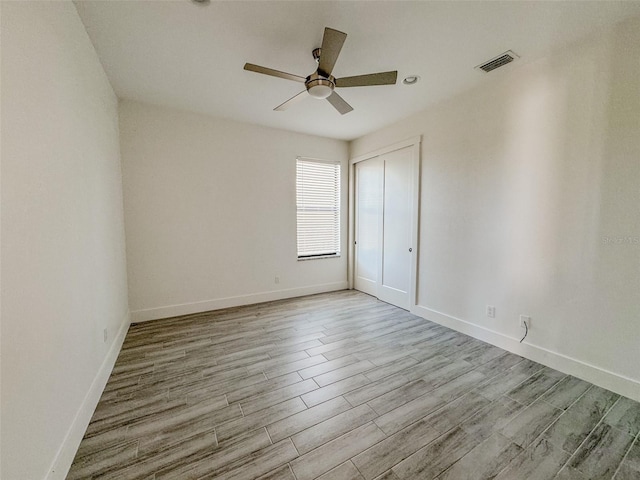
(411, 80)
(201, 2)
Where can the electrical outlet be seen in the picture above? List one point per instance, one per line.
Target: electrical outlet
(491, 311)
(105, 335)
(277, 280)
(525, 319)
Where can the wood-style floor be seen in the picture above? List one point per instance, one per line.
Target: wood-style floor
(342, 386)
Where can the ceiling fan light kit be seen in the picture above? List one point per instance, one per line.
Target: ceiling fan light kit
(321, 83)
(319, 87)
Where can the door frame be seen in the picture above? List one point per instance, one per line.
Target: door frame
(415, 143)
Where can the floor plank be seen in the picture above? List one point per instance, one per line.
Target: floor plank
(333, 453)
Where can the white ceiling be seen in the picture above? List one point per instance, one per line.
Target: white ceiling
(189, 56)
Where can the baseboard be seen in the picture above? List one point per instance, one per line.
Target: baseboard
(67, 452)
(227, 302)
(620, 384)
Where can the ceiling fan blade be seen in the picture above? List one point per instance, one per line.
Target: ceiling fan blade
(293, 100)
(339, 104)
(274, 73)
(382, 78)
(332, 42)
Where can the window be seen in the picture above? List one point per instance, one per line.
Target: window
(318, 208)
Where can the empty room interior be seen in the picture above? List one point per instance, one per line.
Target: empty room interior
(333, 240)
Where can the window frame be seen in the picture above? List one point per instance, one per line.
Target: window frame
(337, 208)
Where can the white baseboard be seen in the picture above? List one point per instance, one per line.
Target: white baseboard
(62, 462)
(620, 384)
(219, 303)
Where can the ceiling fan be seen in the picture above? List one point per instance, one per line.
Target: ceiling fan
(321, 83)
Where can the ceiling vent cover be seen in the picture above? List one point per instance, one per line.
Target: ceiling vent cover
(497, 62)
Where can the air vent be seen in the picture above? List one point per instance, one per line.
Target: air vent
(497, 62)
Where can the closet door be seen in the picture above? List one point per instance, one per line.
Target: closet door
(383, 223)
(368, 225)
(397, 214)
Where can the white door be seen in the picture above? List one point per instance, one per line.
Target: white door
(383, 223)
(368, 225)
(395, 274)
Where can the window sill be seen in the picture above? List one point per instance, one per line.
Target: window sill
(319, 257)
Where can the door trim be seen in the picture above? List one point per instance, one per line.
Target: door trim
(415, 143)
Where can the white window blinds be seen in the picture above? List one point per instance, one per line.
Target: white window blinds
(318, 208)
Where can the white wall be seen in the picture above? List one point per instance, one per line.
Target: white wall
(525, 182)
(210, 212)
(63, 253)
